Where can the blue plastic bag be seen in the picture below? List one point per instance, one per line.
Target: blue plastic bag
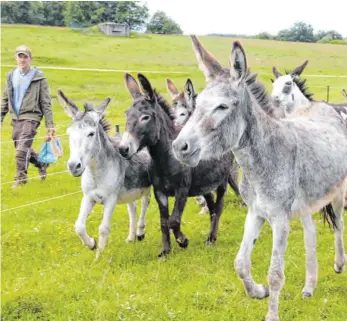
(46, 153)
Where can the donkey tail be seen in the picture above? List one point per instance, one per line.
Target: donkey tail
(329, 216)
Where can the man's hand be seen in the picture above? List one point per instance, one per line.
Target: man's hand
(50, 131)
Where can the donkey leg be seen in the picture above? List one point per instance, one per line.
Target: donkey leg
(175, 218)
(142, 220)
(311, 256)
(163, 204)
(87, 205)
(105, 226)
(210, 204)
(340, 257)
(218, 209)
(276, 278)
(132, 222)
(242, 262)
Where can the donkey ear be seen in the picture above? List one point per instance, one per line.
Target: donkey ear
(276, 73)
(132, 86)
(172, 89)
(344, 93)
(238, 61)
(101, 108)
(69, 107)
(146, 87)
(207, 63)
(189, 93)
(298, 70)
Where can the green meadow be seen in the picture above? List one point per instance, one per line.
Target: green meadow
(48, 275)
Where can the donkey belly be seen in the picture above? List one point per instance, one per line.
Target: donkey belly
(128, 196)
(208, 175)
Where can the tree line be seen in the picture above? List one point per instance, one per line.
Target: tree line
(87, 13)
(299, 32)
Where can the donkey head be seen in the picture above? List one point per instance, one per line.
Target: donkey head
(142, 124)
(84, 135)
(285, 89)
(209, 133)
(182, 103)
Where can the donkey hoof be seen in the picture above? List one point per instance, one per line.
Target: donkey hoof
(141, 237)
(163, 254)
(339, 268)
(210, 242)
(204, 210)
(306, 294)
(95, 246)
(183, 243)
(272, 318)
(260, 291)
(265, 291)
(130, 240)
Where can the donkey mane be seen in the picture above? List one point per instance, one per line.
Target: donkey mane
(165, 105)
(301, 83)
(258, 90)
(106, 126)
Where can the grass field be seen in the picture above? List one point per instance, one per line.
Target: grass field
(47, 274)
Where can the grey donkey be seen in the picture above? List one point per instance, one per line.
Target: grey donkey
(107, 178)
(293, 168)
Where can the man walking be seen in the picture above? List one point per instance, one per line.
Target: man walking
(27, 98)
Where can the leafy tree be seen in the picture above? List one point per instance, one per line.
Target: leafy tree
(161, 23)
(54, 13)
(108, 11)
(85, 13)
(15, 12)
(264, 35)
(328, 35)
(37, 13)
(300, 32)
(133, 14)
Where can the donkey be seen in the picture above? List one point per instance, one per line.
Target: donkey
(290, 93)
(184, 104)
(293, 167)
(150, 123)
(107, 178)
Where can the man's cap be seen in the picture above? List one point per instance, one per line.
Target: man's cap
(23, 50)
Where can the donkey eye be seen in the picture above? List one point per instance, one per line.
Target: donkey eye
(91, 134)
(222, 107)
(288, 83)
(145, 118)
(182, 114)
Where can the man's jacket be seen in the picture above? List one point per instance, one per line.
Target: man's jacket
(36, 102)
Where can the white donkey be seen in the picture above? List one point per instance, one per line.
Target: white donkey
(293, 168)
(290, 93)
(107, 178)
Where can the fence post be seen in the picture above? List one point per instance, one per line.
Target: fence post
(328, 89)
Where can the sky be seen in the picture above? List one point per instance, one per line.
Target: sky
(250, 17)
